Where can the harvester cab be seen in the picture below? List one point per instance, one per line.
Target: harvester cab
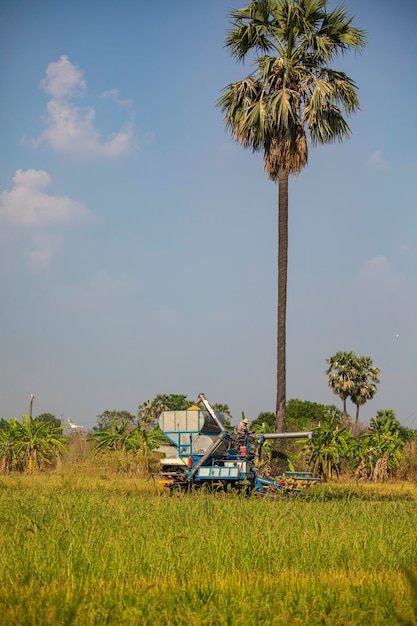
(207, 453)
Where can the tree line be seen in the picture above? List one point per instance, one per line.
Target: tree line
(340, 444)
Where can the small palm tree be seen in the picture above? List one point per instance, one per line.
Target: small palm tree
(342, 373)
(365, 381)
(292, 98)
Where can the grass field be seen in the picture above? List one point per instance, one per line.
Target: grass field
(94, 551)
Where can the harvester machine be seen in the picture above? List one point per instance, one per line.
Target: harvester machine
(207, 453)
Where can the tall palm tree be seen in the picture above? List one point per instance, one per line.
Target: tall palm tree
(292, 98)
(365, 381)
(342, 373)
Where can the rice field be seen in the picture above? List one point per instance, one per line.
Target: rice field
(91, 551)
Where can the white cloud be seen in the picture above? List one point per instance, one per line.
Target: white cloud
(114, 95)
(63, 79)
(26, 204)
(379, 270)
(45, 246)
(377, 162)
(70, 129)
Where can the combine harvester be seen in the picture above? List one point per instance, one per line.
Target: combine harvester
(208, 454)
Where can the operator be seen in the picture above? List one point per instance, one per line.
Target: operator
(242, 428)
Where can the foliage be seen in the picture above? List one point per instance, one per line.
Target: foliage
(407, 469)
(341, 372)
(365, 382)
(304, 415)
(116, 437)
(352, 377)
(150, 410)
(292, 97)
(386, 421)
(225, 411)
(105, 419)
(268, 446)
(375, 455)
(31, 445)
(327, 449)
(265, 417)
(139, 441)
(301, 415)
(48, 417)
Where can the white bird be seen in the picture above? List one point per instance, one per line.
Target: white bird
(72, 425)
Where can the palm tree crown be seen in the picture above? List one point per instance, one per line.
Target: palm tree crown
(354, 377)
(342, 372)
(365, 383)
(292, 98)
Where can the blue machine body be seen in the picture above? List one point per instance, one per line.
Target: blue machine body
(207, 453)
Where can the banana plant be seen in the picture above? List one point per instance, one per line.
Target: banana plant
(327, 450)
(375, 454)
(30, 445)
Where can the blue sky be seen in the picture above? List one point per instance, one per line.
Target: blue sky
(138, 242)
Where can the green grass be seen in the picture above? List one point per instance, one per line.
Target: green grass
(75, 550)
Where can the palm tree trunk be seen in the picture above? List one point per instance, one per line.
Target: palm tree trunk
(357, 418)
(282, 299)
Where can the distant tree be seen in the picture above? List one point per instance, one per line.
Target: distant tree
(352, 377)
(385, 421)
(301, 415)
(178, 402)
(49, 418)
(305, 415)
(265, 417)
(225, 411)
(150, 410)
(342, 373)
(105, 419)
(365, 381)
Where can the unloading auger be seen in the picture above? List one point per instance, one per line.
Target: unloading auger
(204, 452)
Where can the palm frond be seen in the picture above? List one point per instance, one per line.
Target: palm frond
(292, 96)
